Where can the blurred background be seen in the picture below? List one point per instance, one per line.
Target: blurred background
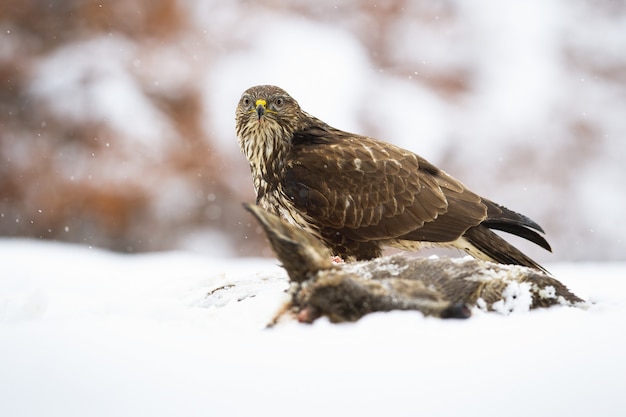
(117, 117)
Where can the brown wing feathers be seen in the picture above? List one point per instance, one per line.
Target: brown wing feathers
(373, 194)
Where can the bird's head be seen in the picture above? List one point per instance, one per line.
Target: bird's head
(265, 108)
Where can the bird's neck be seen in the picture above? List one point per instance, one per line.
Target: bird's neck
(266, 150)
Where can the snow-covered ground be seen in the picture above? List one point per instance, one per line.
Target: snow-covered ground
(85, 332)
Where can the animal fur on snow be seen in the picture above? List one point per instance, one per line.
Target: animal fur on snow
(441, 287)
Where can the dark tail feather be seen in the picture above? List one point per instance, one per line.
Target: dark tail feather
(500, 213)
(520, 231)
(498, 249)
(501, 218)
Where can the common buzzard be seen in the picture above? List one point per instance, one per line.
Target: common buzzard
(358, 194)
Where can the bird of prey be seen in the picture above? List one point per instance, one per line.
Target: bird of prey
(358, 194)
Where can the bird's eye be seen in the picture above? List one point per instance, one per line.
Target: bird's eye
(278, 103)
(246, 101)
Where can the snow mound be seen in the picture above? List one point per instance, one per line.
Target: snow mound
(88, 332)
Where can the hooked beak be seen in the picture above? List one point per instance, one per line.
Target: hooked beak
(260, 108)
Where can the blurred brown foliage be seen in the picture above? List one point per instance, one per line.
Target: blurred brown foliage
(40, 193)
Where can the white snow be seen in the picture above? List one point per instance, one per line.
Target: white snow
(517, 298)
(85, 332)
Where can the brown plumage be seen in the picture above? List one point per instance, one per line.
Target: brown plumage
(358, 194)
(446, 288)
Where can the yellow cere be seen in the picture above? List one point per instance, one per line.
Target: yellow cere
(260, 102)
